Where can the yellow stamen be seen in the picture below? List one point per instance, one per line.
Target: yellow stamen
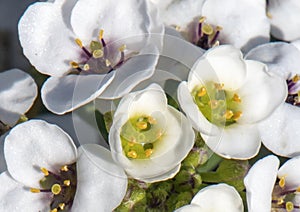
(101, 34)
(132, 154)
(269, 15)
(97, 53)
(298, 189)
(201, 92)
(202, 19)
(107, 63)
(177, 28)
(207, 29)
(229, 114)
(35, 190)
(282, 182)
(79, 42)
(61, 206)
(122, 48)
(236, 98)
(54, 210)
(296, 78)
(45, 171)
(280, 201)
(148, 152)
(67, 182)
(56, 189)
(219, 86)
(237, 115)
(64, 168)
(219, 28)
(289, 206)
(86, 67)
(142, 125)
(74, 64)
(213, 104)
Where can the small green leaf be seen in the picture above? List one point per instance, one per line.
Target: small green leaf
(108, 119)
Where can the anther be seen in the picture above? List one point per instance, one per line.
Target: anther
(86, 67)
(64, 168)
(207, 29)
(236, 98)
(229, 114)
(296, 78)
(282, 182)
(269, 15)
(132, 154)
(142, 125)
(201, 92)
(177, 28)
(79, 42)
(101, 32)
(122, 48)
(148, 152)
(45, 171)
(67, 182)
(61, 206)
(202, 19)
(56, 189)
(289, 206)
(107, 63)
(35, 190)
(54, 210)
(237, 115)
(97, 53)
(280, 201)
(74, 64)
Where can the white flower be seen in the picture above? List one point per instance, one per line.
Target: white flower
(148, 138)
(265, 193)
(225, 96)
(243, 24)
(106, 43)
(220, 197)
(284, 18)
(280, 131)
(45, 173)
(17, 93)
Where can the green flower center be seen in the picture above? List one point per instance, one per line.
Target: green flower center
(140, 135)
(219, 106)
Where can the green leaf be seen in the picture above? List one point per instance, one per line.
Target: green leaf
(101, 125)
(108, 119)
(210, 165)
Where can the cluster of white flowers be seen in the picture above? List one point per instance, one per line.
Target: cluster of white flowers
(232, 88)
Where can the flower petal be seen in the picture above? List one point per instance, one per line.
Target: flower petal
(64, 94)
(14, 197)
(256, 94)
(101, 183)
(36, 144)
(281, 58)
(289, 171)
(241, 27)
(259, 183)
(235, 141)
(17, 93)
(280, 132)
(220, 197)
(50, 52)
(285, 16)
(189, 208)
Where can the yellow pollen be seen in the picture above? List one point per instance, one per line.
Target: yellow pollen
(45, 171)
(219, 86)
(298, 189)
(54, 210)
(86, 67)
(97, 53)
(213, 104)
(269, 15)
(236, 98)
(56, 189)
(64, 168)
(282, 182)
(229, 114)
(142, 125)
(237, 115)
(201, 92)
(148, 152)
(202, 19)
(289, 206)
(122, 48)
(177, 28)
(107, 63)
(280, 201)
(207, 29)
(35, 190)
(151, 120)
(79, 42)
(219, 28)
(67, 182)
(132, 154)
(101, 34)
(61, 206)
(296, 78)
(74, 64)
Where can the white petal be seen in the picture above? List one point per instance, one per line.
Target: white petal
(296, 43)
(220, 197)
(280, 132)
(222, 64)
(258, 101)
(244, 23)
(64, 94)
(164, 176)
(199, 122)
(101, 184)
(259, 183)
(17, 93)
(236, 141)
(50, 52)
(15, 197)
(35, 144)
(285, 16)
(137, 69)
(189, 208)
(281, 58)
(289, 171)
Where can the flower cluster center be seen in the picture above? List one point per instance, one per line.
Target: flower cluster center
(62, 187)
(293, 97)
(219, 106)
(139, 136)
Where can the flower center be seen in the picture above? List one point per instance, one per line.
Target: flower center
(98, 58)
(219, 106)
(282, 197)
(205, 35)
(293, 97)
(140, 135)
(62, 187)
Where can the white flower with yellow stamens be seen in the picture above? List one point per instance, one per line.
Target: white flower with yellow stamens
(90, 48)
(220, 197)
(47, 173)
(225, 96)
(270, 189)
(242, 23)
(149, 138)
